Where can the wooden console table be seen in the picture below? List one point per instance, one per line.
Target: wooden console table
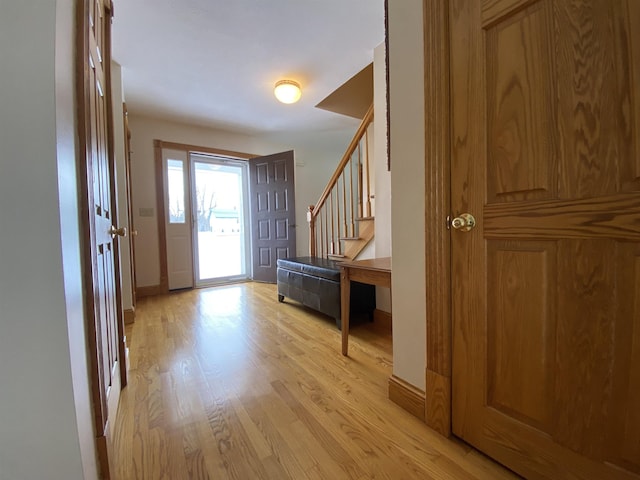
(375, 271)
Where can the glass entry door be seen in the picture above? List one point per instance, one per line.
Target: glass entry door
(220, 213)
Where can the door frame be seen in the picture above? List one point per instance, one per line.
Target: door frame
(158, 146)
(438, 150)
(129, 315)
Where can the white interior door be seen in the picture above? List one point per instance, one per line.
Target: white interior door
(178, 219)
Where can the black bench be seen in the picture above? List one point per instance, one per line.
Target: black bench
(315, 282)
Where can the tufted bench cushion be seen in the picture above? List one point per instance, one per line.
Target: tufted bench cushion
(315, 282)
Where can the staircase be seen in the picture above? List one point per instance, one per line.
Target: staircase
(342, 223)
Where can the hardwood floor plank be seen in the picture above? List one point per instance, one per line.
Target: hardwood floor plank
(335, 450)
(227, 383)
(177, 461)
(289, 449)
(260, 445)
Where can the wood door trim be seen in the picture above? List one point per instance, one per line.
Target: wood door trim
(162, 228)
(122, 347)
(129, 191)
(437, 203)
(207, 150)
(158, 146)
(438, 402)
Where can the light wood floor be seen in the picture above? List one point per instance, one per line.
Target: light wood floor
(227, 383)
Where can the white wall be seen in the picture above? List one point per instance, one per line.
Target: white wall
(316, 155)
(382, 175)
(45, 415)
(406, 65)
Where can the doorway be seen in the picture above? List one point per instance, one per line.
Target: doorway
(206, 219)
(224, 216)
(219, 202)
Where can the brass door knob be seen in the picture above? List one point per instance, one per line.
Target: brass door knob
(464, 222)
(121, 232)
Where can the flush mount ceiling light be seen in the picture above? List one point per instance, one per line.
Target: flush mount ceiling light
(287, 91)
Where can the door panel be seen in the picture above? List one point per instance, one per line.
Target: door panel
(624, 426)
(546, 290)
(273, 213)
(518, 361)
(179, 261)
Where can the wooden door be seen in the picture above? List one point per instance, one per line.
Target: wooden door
(273, 213)
(546, 288)
(102, 276)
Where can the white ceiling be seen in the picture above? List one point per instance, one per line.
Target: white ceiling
(215, 62)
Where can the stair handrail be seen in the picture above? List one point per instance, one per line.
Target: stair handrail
(366, 120)
(314, 210)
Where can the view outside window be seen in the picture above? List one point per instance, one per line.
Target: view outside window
(218, 205)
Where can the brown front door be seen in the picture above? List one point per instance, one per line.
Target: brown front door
(546, 287)
(273, 213)
(102, 276)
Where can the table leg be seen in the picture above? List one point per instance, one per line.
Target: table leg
(345, 297)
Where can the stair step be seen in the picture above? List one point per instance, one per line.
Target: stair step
(365, 219)
(335, 256)
(349, 238)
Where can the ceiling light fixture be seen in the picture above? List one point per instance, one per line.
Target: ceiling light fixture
(287, 91)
